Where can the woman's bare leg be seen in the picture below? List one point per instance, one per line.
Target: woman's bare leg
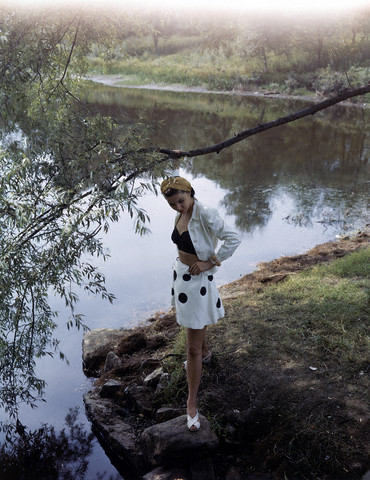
(205, 350)
(195, 339)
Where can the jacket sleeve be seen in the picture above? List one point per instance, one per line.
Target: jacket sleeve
(217, 226)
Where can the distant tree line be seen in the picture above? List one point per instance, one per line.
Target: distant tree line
(321, 54)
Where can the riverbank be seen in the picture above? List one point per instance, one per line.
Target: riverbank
(132, 82)
(285, 390)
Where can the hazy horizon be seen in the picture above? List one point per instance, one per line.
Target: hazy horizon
(283, 7)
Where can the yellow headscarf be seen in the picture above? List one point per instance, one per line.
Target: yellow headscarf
(178, 183)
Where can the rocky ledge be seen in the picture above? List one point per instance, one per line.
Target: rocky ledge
(147, 440)
(131, 407)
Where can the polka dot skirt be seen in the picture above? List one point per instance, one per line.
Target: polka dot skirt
(195, 297)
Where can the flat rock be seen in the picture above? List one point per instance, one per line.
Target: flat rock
(153, 378)
(170, 442)
(119, 436)
(164, 414)
(110, 388)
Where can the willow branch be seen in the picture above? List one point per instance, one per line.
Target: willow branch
(267, 126)
(56, 211)
(60, 82)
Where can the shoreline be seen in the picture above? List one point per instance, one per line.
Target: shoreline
(138, 376)
(113, 81)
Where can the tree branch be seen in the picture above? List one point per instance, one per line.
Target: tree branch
(266, 126)
(60, 82)
(174, 154)
(56, 211)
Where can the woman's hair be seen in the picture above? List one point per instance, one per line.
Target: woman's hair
(174, 191)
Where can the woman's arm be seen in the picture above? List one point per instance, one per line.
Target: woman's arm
(200, 266)
(229, 237)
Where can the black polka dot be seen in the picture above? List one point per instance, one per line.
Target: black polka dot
(210, 278)
(203, 291)
(172, 291)
(186, 277)
(218, 304)
(174, 275)
(183, 298)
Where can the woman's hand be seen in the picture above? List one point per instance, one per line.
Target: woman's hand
(200, 266)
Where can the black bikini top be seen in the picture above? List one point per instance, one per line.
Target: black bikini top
(183, 241)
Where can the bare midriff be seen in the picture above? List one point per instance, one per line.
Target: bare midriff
(187, 258)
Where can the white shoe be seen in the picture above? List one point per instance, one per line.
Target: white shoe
(193, 422)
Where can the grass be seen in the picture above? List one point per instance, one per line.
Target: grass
(291, 358)
(176, 388)
(174, 69)
(320, 315)
(187, 61)
(309, 335)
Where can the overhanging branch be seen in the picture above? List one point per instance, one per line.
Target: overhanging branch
(56, 211)
(266, 126)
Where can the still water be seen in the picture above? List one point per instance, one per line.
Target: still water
(285, 190)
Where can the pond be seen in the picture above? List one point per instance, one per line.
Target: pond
(285, 190)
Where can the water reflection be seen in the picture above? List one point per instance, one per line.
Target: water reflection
(318, 175)
(45, 454)
(321, 162)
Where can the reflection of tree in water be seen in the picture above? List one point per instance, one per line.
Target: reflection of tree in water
(251, 211)
(323, 169)
(315, 161)
(45, 454)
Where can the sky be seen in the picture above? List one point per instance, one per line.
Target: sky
(279, 6)
(264, 5)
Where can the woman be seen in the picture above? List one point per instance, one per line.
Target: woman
(194, 293)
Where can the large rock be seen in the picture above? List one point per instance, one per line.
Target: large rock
(140, 399)
(171, 442)
(112, 361)
(96, 345)
(110, 388)
(118, 436)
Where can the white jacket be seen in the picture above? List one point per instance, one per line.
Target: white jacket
(206, 227)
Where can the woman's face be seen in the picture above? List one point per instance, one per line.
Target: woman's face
(181, 202)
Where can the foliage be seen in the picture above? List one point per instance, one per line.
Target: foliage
(66, 175)
(355, 265)
(246, 52)
(176, 387)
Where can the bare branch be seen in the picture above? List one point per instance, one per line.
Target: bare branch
(56, 211)
(266, 126)
(60, 82)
